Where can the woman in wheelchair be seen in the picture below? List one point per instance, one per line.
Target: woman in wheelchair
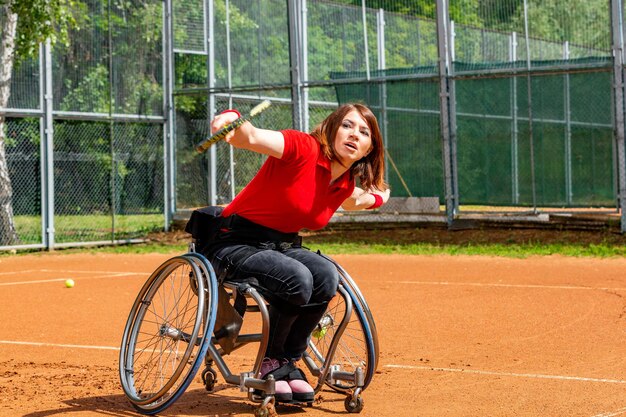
(305, 179)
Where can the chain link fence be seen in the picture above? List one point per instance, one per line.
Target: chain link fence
(512, 104)
(528, 88)
(83, 132)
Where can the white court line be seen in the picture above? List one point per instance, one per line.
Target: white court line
(512, 374)
(78, 271)
(611, 413)
(20, 272)
(559, 377)
(60, 345)
(40, 281)
(482, 284)
(51, 270)
(40, 344)
(423, 368)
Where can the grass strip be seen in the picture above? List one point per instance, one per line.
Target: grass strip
(362, 248)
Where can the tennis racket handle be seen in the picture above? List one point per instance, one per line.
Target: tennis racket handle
(220, 134)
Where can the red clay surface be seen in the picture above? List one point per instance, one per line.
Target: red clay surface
(459, 336)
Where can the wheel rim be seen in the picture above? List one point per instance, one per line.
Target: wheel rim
(354, 350)
(162, 337)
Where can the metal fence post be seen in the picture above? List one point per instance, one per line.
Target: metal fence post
(365, 43)
(295, 62)
(443, 51)
(211, 99)
(514, 123)
(568, 130)
(452, 115)
(229, 79)
(304, 69)
(618, 97)
(169, 154)
(47, 151)
(529, 95)
(382, 65)
(113, 180)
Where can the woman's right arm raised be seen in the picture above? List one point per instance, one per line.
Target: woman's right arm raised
(267, 142)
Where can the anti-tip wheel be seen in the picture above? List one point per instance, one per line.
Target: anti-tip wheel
(354, 405)
(266, 410)
(209, 377)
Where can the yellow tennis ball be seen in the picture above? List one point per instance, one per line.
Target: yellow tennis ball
(318, 334)
(69, 283)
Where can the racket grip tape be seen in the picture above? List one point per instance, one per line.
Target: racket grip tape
(220, 134)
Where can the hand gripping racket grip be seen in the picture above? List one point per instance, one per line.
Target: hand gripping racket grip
(221, 134)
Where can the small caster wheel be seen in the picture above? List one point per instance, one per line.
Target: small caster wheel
(209, 377)
(266, 410)
(354, 405)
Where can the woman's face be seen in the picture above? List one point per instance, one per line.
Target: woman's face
(353, 140)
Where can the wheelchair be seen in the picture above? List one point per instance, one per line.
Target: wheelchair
(183, 317)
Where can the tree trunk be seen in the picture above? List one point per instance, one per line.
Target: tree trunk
(8, 234)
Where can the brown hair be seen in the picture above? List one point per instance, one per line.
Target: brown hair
(370, 170)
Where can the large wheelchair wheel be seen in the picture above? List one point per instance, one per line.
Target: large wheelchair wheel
(356, 346)
(348, 282)
(168, 332)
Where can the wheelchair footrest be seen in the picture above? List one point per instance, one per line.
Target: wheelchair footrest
(247, 382)
(358, 377)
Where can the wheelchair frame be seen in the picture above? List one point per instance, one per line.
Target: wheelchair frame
(171, 328)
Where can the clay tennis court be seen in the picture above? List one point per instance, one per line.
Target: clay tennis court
(459, 336)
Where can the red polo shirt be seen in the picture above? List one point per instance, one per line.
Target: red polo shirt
(293, 192)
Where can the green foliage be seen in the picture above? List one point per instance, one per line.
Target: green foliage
(39, 20)
(419, 8)
(94, 172)
(260, 44)
(500, 13)
(260, 55)
(583, 22)
(414, 41)
(91, 92)
(190, 70)
(122, 76)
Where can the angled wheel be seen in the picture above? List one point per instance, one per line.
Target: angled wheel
(167, 334)
(348, 282)
(354, 347)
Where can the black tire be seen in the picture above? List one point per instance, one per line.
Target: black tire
(356, 347)
(165, 340)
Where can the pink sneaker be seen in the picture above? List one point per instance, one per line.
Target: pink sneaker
(282, 388)
(300, 388)
(301, 391)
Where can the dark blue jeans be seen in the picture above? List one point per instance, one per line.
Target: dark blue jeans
(297, 283)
